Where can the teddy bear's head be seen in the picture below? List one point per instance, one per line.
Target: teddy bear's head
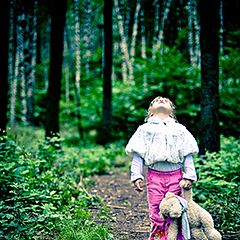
(170, 206)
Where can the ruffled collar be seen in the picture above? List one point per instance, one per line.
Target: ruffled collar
(157, 120)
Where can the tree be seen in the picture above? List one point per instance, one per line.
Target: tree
(209, 43)
(55, 72)
(107, 87)
(77, 80)
(4, 42)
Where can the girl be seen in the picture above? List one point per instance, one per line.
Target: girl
(164, 146)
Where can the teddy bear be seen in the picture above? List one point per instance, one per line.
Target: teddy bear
(198, 222)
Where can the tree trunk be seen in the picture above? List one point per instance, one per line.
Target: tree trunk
(32, 74)
(143, 50)
(66, 66)
(107, 83)
(13, 71)
(21, 45)
(126, 63)
(4, 43)
(193, 34)
(197, 34)
(55, 73)
(134, 34)
(160, 40)
(87, 35)
(77, 82)
(190, 33)
(221, 37)
(209, 40)
(45, 51)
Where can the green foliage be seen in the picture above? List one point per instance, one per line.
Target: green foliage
(168, 75)
(229, 89)
(218, 185)
(83, 230)
(41, 189)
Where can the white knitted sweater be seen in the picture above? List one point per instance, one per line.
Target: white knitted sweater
(162, 140)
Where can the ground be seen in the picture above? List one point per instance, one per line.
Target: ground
(128, 208)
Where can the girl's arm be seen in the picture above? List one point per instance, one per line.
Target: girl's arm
(136, 168)
(189, 168)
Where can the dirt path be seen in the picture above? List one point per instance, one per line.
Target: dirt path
(128, 208)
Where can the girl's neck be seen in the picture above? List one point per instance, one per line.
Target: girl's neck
(162, 116)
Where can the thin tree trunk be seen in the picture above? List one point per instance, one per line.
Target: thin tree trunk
(209, 37)
(143, 50)
(156, 17)
(107, 82)
(126, 65)
(193, 34)
(221, 37)
(134, 35)
(31, 80)
(13, 91)
(55, 74)
(190, 33)
(4, 43)
(66, 69)
(77, 83)
(160, 41)
(87, 35)
(45, 52)
(156, 28)
(13, 71)
(21, 74)
(196, 27)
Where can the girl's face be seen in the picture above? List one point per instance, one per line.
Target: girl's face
(160, 104)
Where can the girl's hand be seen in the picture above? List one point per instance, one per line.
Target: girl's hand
(139, 184)
(186, 184)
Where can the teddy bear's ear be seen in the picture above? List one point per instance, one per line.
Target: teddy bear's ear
(169, 194)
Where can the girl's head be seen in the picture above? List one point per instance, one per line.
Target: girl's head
(161, 104)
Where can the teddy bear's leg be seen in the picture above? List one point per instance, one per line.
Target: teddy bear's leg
(213, 234)
(208, 226)
(198, 234)
(173, 230)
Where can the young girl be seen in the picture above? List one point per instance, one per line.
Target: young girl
(164, 146)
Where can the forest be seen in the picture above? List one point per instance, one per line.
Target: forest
(76, 80)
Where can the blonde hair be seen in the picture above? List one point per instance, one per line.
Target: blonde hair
(173, 108)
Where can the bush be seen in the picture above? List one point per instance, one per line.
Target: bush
(218, 186)
(41, 190)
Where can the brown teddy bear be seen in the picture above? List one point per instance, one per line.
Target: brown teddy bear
(196, 220)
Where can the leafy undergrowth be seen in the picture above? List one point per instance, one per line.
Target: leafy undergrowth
(218, 186)
(45, 191)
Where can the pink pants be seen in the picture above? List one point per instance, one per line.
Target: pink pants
(158, 184)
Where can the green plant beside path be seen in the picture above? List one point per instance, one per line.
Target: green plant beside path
(41, 191)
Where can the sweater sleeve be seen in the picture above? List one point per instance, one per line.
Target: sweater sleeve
(136, 168)
(189, 168)
(189, 143)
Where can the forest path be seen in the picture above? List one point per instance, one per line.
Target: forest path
(128, 208)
